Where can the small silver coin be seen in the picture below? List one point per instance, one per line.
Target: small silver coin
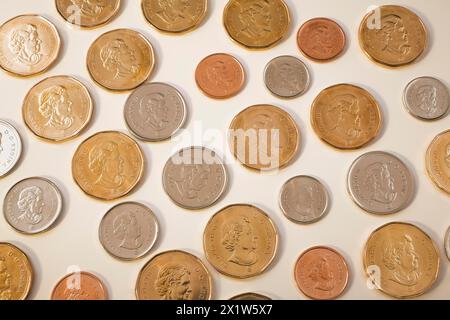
(287, 77)
(447, 243)
(195, 178)
(426, 98)
(33, 205)
(128, 231)
(155, 112)
(380, 183)
(10, 147)
(304, 199)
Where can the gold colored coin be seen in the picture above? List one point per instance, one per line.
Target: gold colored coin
(401, 260)
(392, 36)
(249, 296)
(264, 137)
(16, 273)
(257, 24)
(88, 13)
(120, 60)
(174, 275)
(29, 45)
(438, 161)
(57, 108)
(346, 116)
(108, 165)
(175, 16)
(240, 241)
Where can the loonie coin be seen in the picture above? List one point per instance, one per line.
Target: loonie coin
(438, 161)
(88, 13)
(80, 286)
(10, 148)
(249, 296)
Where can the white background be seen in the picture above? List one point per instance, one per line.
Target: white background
(74, 240)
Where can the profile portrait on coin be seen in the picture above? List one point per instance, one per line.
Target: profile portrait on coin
(5, 281)
(154, 111)
(220, 74)
(172, 11)
(323, 38)
(379, 183)
(90, 8)
(106, 163)
(191, 179)
(347, 113)
(426, 97)
(127, 229)
(321, 275)
(118, 58)
(174, 283)
(287, 77)
(393, 36)
(26, 45)
(302, 200)
(56, 107)
(30, 205)
(255, 18)
(239, 239)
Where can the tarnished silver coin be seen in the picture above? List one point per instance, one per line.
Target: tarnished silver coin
(155, 111)
(33, 205)
(128, 231)
(426, 98)
(287, 77)
(304, 199)
(195, 178)
(10, 147)
(447, 243)
(380, 183)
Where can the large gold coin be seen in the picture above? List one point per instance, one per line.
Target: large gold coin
(174, 275)
(438, 161)
(120, 60)
(88, 13)
(108, 165)
(392, 35)
(57, 108)
(174, 16)
(346, 116)
(264, 137)
(401, 260)
(240, 241)
(257, 24)
(16, 273)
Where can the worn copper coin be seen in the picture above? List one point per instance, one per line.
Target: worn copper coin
(438, 161)
(88, 13)
(80, 286)
(249, 296)
(10, 147)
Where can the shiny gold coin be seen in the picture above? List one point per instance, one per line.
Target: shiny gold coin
(438, 161)
(57, 108)
(16, 273)
(174, 16)
(120, 60)
(264, 137)
(108, 165)
(401, 260)
(240, 241)
(88, 13)
(174, 275)
(257, 24)
(346, 116)
(392, 36)
(249, 296)
(29, 45)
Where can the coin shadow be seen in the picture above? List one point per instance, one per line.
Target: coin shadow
(160, 218)
(122, 8)
(157, 51)
(294, 25)
(63, 35)
(348, 39)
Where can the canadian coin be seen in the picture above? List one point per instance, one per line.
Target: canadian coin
(438, 161)
(88, 13)
(10, 147)
(80, 286)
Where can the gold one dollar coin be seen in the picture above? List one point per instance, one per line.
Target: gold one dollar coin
(88, 13)
(438, 161)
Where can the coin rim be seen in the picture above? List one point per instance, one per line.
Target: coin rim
(447, 243)
(86, 273)
(431, 175)
(251, 294)
(19, 148)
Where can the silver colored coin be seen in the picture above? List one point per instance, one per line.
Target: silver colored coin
(195, 178)
(287, 77)
(426, 98)
(128, 231)
(10, 147)
(304, 199)
(33, 205)
(380, 183)
(155, 112)
(447, 243)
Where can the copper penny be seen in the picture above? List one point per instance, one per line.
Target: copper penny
(80, 286)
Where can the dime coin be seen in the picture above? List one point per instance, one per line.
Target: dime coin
(249, 296)
(426, 98)
(438, 161)
(240, 241)
(29, 44)
(401, 260)
(321, 273)
(87, 13)
(287, 77)
(447, 243)
(220, 76)
(321, 39)
(33, 205)
(380, 183)
(155, 111)
(392, 35)
(10, 147)
(16, 273)
(304, 199)
(128, 231)
(174, 275)
(346, 116)
(257, 24)
(195, 178)
(264, 137)
(80, 286)
(120, 60)
(108, 165)
(57, 108)
(174, 16)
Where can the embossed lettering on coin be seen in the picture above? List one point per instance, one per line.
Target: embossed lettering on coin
(10, 147)
(438, 161)
(88, 13)
(80, 286)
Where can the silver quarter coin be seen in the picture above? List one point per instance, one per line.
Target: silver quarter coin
(32, 205)
(304, 199)
(287, 77)
(195, 178)
(447, 243)
(155, 112)
(10, 147)
(380, 183)
(426, 98)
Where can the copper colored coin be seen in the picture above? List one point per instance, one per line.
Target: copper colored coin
(80, 286)
(321, 39)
